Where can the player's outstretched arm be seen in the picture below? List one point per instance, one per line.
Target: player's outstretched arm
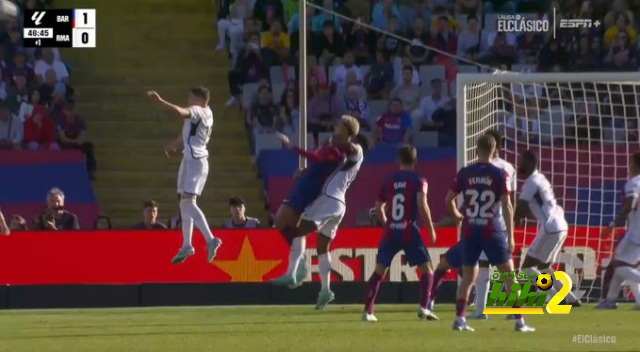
(182, 112)
(4, 229)
(627, 207)
(423, 205)
(507, 213)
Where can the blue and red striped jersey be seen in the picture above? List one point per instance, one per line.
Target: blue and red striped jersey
(400, 194)
(482, 186)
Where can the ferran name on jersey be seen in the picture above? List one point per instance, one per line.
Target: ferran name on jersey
(478, 222)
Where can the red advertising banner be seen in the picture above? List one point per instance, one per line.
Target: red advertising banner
(134, 257)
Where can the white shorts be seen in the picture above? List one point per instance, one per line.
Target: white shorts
(546, 246)
(627, 251)
(327, 214)
(192, 176)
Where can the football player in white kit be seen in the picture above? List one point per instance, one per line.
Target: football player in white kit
(483, 282)
(194, 169)
(4, 228)
(538, 198)
(627, 254)
(325, 214)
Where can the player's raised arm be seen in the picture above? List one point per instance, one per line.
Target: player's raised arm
(423, 205)
(326, 153)
(182, 112)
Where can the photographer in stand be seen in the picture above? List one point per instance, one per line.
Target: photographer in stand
(54, 217)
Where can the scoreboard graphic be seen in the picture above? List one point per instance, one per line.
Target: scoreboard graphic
(75, 28)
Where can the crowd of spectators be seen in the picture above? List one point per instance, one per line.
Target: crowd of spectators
(397, 87)
(37, 96)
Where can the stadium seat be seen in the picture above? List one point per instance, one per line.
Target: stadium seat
(377, 108)
(277, 90)
(523, 68)
(266, 141)
(425, 139)
(490, 21)
(430, 72)
(249, 91)
(277, 74)
(467, 69)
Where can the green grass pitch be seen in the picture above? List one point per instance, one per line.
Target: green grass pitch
(300, 328)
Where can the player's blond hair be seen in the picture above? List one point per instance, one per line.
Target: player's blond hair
(352, 124)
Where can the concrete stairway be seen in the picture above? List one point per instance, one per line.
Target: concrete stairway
(167, 46)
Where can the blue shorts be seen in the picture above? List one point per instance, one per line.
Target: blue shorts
(496, 248)
(414, 250)
(454, 256)
(300, 198)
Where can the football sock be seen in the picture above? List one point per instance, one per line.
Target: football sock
(614, 286)
(631, 275)
(606, 280)
(482, 289)
(187, 230)
(426, 285)
(635, 288)
(324, 268)
(461, 308)
(438, 277)
(298, 246)
(373, 286)
(190, 207)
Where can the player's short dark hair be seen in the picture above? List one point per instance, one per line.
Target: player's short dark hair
(530, 158)
(485, 144)
(236, 201)
(149, 204)
(201, 92)
(362, 141)
(407, 155)
(497, 136)
(635, 158)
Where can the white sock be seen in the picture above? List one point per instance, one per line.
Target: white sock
(324, 266)
(614, 286)
(298, 246)
(629, 274)
(187, 229)
(635, 288)
(190, 207)
(482, 289)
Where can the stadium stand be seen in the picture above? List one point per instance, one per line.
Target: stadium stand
(26, 178)
(453, 28)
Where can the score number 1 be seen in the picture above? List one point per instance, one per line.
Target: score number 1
(84, 28)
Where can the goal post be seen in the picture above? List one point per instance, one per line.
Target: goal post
(583, 126)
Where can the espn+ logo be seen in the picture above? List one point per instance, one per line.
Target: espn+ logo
(530, 301)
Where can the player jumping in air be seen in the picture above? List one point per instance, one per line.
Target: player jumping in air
(484, 187)
(627, 254)
(402, 199)
(194, 168)
(537, 197)
(322, 213)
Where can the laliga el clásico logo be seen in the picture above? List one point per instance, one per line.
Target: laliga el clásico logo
(530, 302)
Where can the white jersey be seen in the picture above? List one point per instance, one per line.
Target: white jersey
(632, 191)
(511, 172)
(196, 132)
(338, 183)
(537, 191)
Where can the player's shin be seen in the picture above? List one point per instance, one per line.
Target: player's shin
(482, 289)
(373, 286)
(189, 206)
(324, 267)
(614, 286)
(298, 246)
(426, 286)
(629, 274)
(187, 230)
(608, 276)
(438, 277)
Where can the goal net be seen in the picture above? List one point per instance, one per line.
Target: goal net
(583, 126)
